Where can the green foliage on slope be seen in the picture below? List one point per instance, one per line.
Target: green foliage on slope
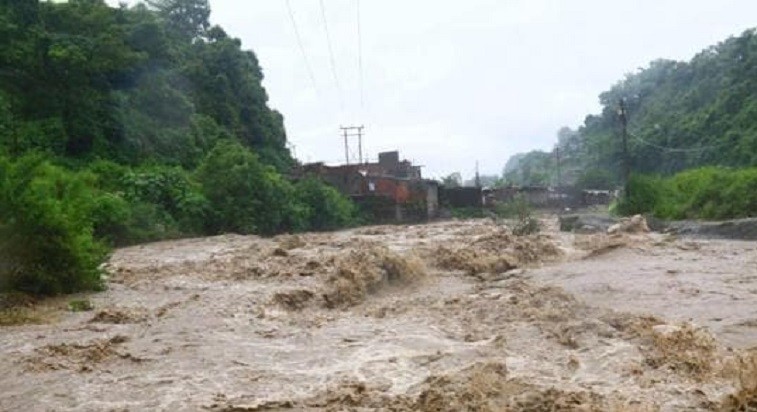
(132, 124)
(681, 115)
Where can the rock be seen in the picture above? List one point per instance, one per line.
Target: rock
(636, 224)
(587, 229)
(585, 223)
(665, 330)
(656, 224)
(739, 229)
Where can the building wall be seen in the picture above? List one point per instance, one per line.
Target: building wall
(432, 200)
(390, 190)
(459, 197)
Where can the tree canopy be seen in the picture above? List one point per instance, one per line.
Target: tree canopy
(131, 124)
(152, 82)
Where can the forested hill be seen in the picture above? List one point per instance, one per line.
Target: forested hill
(131, 124)
(157, 82)
(681, 115)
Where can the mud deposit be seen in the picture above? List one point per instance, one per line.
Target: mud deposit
(449, 316)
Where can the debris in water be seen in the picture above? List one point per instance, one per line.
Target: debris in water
(118, 316)
(293, 300)
(365, 271)
(636, 224)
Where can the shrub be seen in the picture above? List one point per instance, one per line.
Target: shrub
(80, 305)
(645, 193)
(111, 215)
(46, 242)
(705, 193)
(516, 208)
(245, 195)
(326, 208)
(519, 209)
(147, 203)
(178, 201)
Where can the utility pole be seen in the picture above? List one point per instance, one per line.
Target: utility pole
(346, 147)
(352, 131)
(623, 115)
(559, 175)
(478, 177)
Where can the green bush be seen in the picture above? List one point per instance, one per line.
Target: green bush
(46, 241)
(80, 305)
(705, 193)
(177, 199)
(519, 208)
(147, 203)
(245, 195)
(526, 226)
(326, 208)
(111, 215)
(647, 194)
(516, 208)
(715, 193)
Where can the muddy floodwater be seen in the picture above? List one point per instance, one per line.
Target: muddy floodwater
(448, 316)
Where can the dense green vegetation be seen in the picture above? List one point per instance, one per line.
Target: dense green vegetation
(46, 242)
(707, 193)
(130, 124)
(681, 115)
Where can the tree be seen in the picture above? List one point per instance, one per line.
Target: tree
(453, 180)
(190, 19)
(247, 196)
(134, 124)
(327, 209)
(536, 168)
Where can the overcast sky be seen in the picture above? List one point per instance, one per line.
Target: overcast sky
(452, 82)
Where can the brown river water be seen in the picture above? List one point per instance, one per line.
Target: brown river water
(448, 316)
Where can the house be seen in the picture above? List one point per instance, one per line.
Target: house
(388, 190)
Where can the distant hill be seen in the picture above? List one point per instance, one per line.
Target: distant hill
(681, 115)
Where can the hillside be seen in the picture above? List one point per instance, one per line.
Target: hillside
(681, 115)
(131, 124)
(82, 80)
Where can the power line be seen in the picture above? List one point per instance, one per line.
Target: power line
(331, 53)
(360, 53)
(302, 48)
(675, 149)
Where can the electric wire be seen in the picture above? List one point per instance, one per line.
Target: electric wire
(302, 48)
(360, 54)
(331, 54)
(675, 149)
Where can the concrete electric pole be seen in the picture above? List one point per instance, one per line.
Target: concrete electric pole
(352, 131)
(623, 115)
